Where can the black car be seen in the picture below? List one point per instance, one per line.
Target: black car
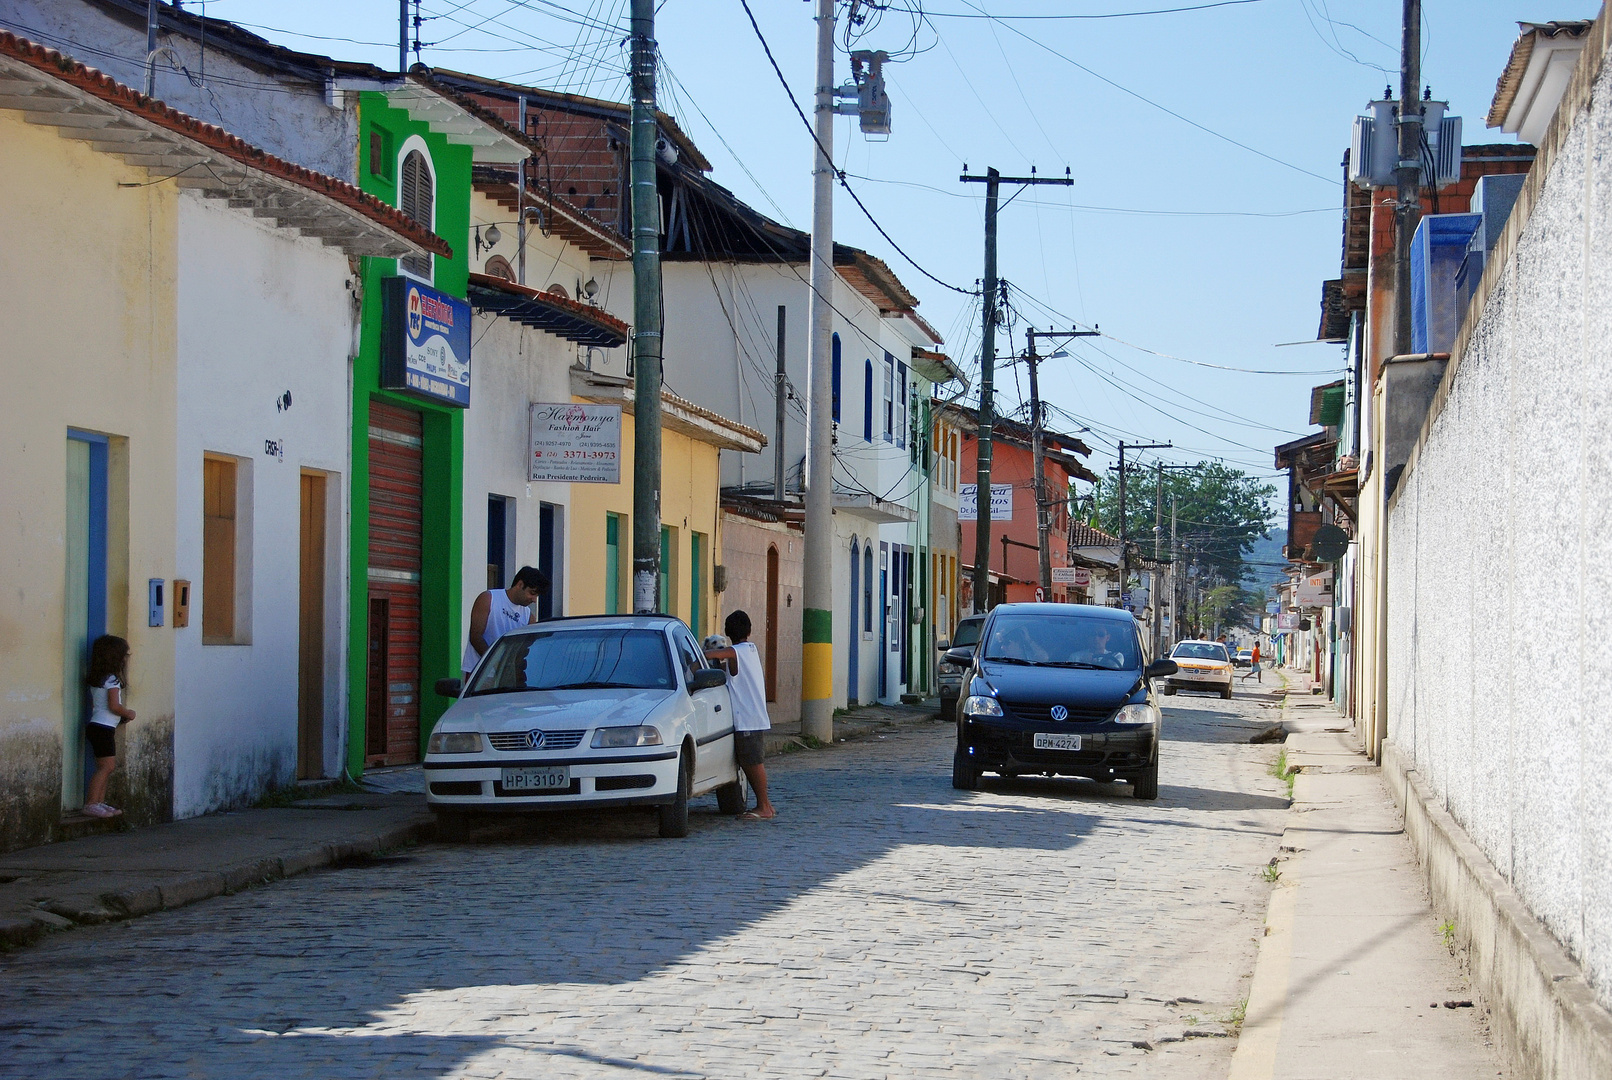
(1059, 689)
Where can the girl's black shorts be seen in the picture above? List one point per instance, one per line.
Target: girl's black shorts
(103, 739)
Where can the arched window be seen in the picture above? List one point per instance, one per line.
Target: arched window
(836, 341)
(417, 196)
(499, 267)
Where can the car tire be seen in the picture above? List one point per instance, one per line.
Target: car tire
(1226, 693)
(673, 816)
(453, 826)
(732, 798)
(1146, 785)
(965, 777)
(1169, 691)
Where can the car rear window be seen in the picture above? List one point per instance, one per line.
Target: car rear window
(579, 659)
(1200, 650)
(1064, 641)
(968, 632)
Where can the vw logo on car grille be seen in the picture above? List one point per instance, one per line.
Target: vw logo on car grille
(1060, 713)
(534, 739)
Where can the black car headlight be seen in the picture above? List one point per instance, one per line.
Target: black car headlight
(981, 705)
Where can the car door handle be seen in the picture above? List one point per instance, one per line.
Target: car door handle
(719, 708)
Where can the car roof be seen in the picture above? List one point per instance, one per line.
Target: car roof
(1198, 641)
(1091, 611)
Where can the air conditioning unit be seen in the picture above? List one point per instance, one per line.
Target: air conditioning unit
(1374, 145)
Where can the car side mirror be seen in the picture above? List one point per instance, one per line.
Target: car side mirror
(706, 678)
(943, 646)
(1158, 669)
(449, 687)
(962, 657)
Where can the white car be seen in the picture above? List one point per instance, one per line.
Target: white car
(604, 710)
(1201, 665)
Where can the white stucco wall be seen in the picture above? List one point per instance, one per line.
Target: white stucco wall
(262, 312)
(1500, 566)
(512, 366)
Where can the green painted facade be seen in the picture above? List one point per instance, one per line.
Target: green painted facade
(443, 427)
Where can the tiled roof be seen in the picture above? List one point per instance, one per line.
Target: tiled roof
(1083, 535)
(86, 104)
(582, 323)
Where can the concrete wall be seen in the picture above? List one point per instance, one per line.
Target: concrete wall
(288, 116)
(263, 313)
(91, 348)
(1500, 558)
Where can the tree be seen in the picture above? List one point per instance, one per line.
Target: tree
(1221, 512)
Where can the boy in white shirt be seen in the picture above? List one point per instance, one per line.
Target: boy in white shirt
(748, 689)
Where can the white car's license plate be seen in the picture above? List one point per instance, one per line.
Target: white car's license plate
(1047, 741)
(552, 779)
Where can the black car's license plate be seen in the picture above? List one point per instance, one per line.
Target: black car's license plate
(1046, 740)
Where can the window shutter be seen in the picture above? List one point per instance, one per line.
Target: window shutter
(416, 194)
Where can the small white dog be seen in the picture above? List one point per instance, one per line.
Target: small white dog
(717, 641)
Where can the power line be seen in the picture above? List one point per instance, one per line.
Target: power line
(1108, 15)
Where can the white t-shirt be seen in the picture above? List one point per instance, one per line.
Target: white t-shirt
(503, 615)
(749, 691)
(99, 713)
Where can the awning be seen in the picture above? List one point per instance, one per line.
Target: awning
(546, 311)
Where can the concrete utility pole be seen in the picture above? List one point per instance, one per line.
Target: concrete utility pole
(151, 48)
(1407, 176)
(646, 336)
(993, 182)
(1175, 583)
(780, 395)
(402, 34)
(1043, 506)
(817, 614)
(1158, 539)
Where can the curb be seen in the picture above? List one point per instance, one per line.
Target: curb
(1546, 1019)
(182, 890)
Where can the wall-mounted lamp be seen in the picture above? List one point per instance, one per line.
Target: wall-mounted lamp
(590, 289)
(486, 241)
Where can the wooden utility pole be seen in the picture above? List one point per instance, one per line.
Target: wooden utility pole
(646, 317)
(1043, 505)
(1407, 177)
(993, 182)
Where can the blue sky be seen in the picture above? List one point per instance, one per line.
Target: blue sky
(1173, 238)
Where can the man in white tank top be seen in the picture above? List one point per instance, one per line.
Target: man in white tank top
(748, 691)
(498, 611)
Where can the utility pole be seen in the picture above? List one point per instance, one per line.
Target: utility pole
(993, 182)
(402, 34)
(1408, 175)
(646, 317)
(1158, 538)
(151, 48)
(1124, 532)
(1175, 581)
(1043, 506)
(817, 614)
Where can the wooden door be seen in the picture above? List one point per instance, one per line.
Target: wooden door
(311, 631)
(395, 493)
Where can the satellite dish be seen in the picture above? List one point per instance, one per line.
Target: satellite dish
(1330, 543)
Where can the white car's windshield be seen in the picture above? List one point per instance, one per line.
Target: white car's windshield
(1063, 641)
(576, 659)
(1200, 650)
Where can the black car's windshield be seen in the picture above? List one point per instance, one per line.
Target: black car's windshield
(576, 659)
(1063, 641)
(968, 633)
(1200, 650)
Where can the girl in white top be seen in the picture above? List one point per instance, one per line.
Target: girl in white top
(108, 678)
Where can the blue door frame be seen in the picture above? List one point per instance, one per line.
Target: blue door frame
(854, 638)
(77, 658)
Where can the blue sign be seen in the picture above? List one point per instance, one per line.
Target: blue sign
(425, 342)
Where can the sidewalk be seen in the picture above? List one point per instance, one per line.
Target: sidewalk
(122, 874)
(1353, 974)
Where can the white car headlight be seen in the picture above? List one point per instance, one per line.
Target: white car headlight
(1136, 714)
(454, 742)
(980, 705)
(614, 738)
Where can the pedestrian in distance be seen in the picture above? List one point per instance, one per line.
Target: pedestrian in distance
(1253, 664)
(108, 679)
(498, 611)
(750, 720)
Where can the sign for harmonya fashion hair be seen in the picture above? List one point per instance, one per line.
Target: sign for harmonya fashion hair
(578, 444)
(425, 342)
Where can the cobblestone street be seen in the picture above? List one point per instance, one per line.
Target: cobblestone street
(885, 926)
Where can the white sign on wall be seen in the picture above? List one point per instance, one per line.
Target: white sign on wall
(574, 443)
(1001, 502)
(1314, 591)
(1078, 576)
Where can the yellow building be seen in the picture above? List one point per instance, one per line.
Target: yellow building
(691, 538)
